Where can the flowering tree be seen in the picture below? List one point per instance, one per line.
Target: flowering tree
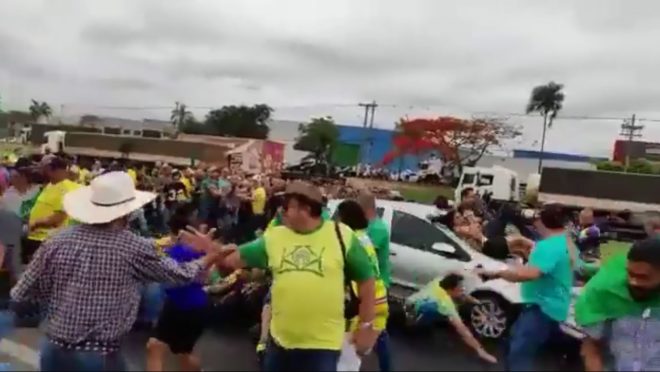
(459, 142)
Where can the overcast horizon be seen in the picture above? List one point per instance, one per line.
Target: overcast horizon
(314, 58)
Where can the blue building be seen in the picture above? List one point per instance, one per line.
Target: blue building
(533, 154)
(375, 143)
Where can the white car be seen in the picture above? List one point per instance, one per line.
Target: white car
(421, 251)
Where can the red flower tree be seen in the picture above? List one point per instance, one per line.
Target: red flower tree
(458, 141)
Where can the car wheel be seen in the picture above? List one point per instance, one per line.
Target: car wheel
(492, 318)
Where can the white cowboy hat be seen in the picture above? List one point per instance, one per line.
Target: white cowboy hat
(108, 197)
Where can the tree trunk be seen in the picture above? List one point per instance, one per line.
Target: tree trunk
(545, 127)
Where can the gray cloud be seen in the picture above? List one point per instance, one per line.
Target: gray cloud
(123, 83)
(418, 57)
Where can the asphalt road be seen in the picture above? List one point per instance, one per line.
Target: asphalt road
(233, 350)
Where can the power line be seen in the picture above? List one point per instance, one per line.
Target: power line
(353, 105)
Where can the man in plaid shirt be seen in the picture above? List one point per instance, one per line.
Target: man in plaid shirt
(89, 276)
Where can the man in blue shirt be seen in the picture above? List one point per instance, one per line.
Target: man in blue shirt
(184, 314)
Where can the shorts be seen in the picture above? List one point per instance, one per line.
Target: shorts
(180, 328)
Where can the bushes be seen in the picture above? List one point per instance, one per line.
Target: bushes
(640, 166)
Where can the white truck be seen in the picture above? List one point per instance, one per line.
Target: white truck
(501, 183)
(53, 141)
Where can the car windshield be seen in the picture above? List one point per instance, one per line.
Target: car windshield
(449, 233)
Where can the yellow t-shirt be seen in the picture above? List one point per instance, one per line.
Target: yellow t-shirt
(187, 183)
(259, 200)
(307, 294)
(382, 308)
(133, 174)
(48, 203)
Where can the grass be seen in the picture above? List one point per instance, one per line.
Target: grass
(613, 247)
(423, 193)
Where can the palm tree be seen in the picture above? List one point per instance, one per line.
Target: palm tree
(547, 100)
(180, 116)
(40, 109)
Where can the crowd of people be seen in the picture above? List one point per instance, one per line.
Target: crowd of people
(102, 242)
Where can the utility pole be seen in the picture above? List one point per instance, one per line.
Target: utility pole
(366, 113)
(630, 131)
(369, 109)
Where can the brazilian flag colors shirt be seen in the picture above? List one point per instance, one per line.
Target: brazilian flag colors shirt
(308, 282)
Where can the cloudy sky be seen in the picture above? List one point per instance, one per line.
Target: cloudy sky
(306, 58)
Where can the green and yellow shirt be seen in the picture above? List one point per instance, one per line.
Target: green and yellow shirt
(308, 282)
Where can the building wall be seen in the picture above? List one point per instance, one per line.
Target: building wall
(375, 143)
(636, 150)
(533, 154)
(201, 151)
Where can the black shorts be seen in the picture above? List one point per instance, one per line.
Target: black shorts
(180, 329)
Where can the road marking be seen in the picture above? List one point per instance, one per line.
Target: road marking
(23, 353)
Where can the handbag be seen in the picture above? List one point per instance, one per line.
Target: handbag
(351, 300)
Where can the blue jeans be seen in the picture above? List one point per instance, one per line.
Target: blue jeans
(315, 360)
(384, 352)
(55, 358)
(151, 303)
(529, 333)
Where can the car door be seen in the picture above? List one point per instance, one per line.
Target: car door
(414, 259)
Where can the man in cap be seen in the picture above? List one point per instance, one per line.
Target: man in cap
(89, 276)
(311, 260)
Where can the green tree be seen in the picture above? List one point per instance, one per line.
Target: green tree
(641, 166)
(547, 100)
(319, 137)
(181, 116)
(609, 166)
(40, 109)
(195, 127)
(239, 121)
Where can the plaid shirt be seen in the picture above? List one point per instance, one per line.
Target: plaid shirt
(90, 279)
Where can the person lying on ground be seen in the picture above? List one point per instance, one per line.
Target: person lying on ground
(437, 300)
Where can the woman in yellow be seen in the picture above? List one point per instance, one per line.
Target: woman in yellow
(351, 214)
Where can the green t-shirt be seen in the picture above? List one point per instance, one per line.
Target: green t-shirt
(207, 200)
(552, 291)
(379, 235)
(308, 282)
